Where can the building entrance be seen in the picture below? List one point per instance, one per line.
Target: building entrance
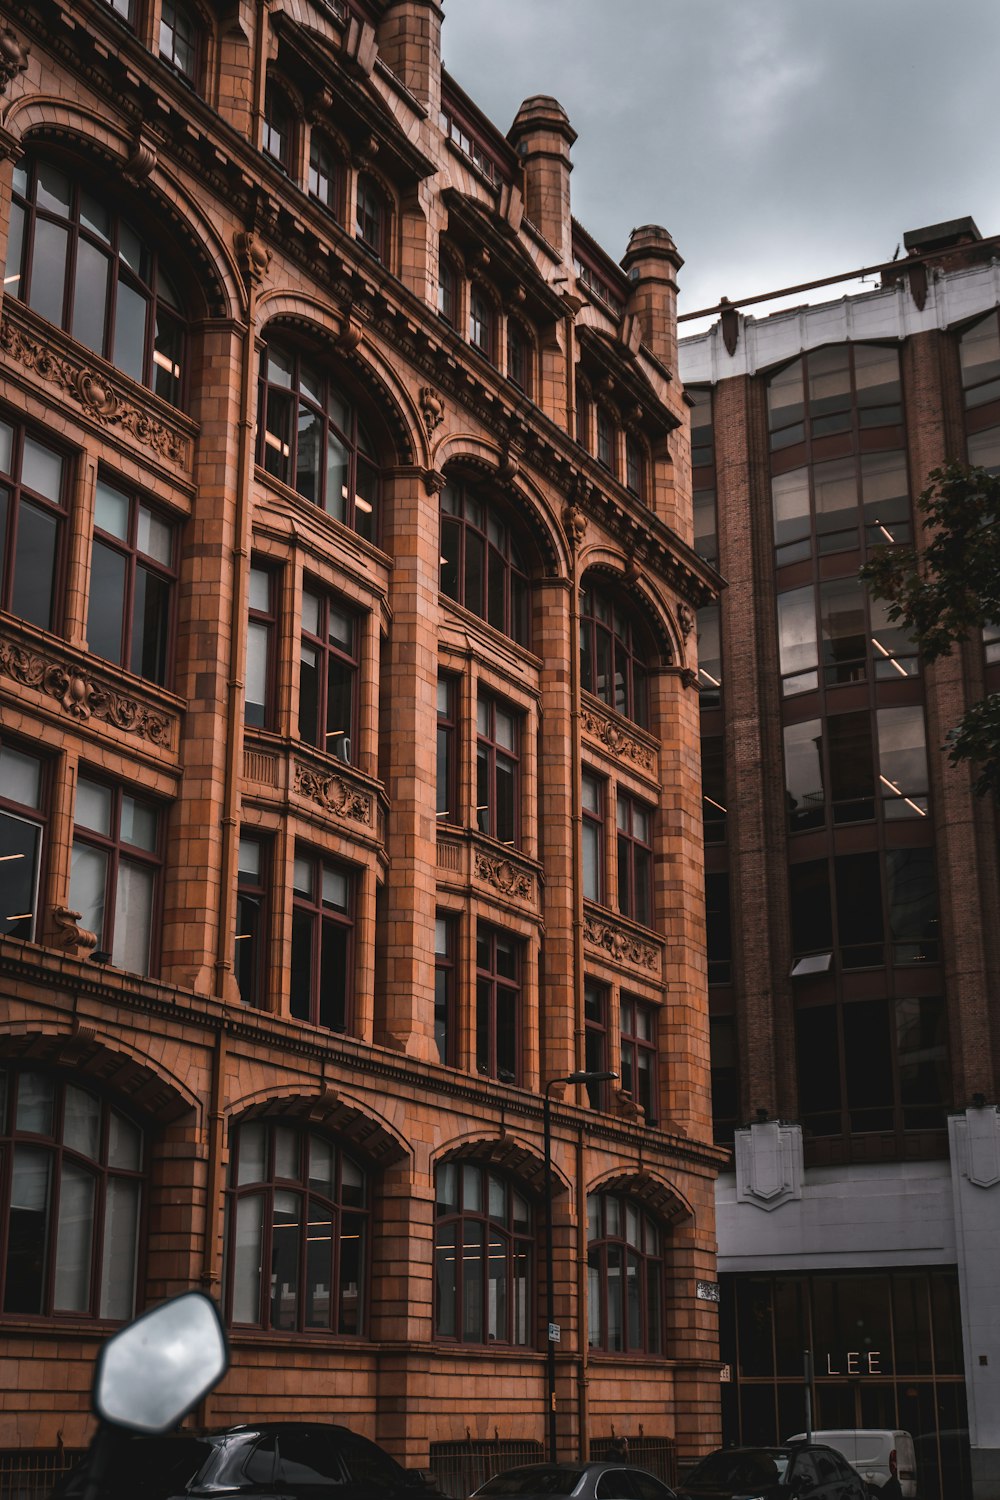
(886, 1353)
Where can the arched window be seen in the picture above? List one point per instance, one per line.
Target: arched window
(613, 655)
(278, 133)
(74, 260)
(482, 323)
(180, 37)
(326, 175)
(482, 1257)
(624, 1276)
(481, 564)
(373, 216)
(297, 1232)
(309, 436)
(70, 1222)
(519, 356)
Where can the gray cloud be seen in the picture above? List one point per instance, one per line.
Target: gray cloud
(778, 140)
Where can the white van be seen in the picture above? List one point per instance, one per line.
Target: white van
(875, 1452)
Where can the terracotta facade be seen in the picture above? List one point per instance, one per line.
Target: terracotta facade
(330, 433)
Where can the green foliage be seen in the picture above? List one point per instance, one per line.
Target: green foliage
(948, 590)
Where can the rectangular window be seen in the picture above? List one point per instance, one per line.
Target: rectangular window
(595, 1020)
(116, 872)
(593, 837)
(131, 583)
(444, 987)
(498, 1004)
(328, 672)
(805, 788)
(635, 860)
(902, 762)
(32, 513)
(261, 638)
(709, 656)
(852, 774)
(21, 832)
(447, 750)
(638, 1043)
(718, 921)
(844, 630)
(252, 920)
(713, 788)
(322, 941)
(498, 771)
(797, 647)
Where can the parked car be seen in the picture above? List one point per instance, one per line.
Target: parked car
(613, 1480)
(807, 1471)
(877, 1453)
(268, 1460)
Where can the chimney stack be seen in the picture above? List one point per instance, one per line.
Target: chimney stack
(651, 263)
(542, 137)
(409, 42)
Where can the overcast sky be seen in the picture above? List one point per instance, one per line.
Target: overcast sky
(777, 140)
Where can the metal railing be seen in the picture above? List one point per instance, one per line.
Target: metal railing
(30, 1473)
(459, 1468)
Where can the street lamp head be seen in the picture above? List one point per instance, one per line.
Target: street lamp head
(588, 1077)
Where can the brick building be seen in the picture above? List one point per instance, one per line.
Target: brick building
(349, 777)
(852, 880)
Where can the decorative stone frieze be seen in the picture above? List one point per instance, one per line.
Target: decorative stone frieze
(622, 745)
(503, 875)
(82, 696)
(768, 1164)
(432, 408)
(623, 946)
(92, 391)
(334, 794)
(13, 58)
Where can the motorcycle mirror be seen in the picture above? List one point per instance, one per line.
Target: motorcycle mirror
(153, 1372)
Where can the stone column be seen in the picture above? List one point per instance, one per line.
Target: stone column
(408, 712)
(974, 1143)
(560, 985)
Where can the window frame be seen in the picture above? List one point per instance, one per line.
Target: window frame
(118, 851)
(372, 217)
(594, 836)
(312, 914)
(328, 651)
(336, 175)
(191, 73)
(279, 125)
(281, 405)
(520, 356)
(491, 985)
(448, 748)
(164, 326)
(652, 1270)
(266, 623)
(482, 326)
(596, 1042)
(253, 893)
(267, 1189)
(639, 1082)
(446, 986)
(104, 1279)
(137, 563)
(467, 518)
(601, 639)
(55, 513)
(36, 818)
(492, 756)
(636, 895)
(490, 1229)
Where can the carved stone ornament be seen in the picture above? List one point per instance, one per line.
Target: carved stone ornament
(434, 481)
(768, 1164)
(254, 256)
(81, 697)
(432, 407)
(503, 875)
(622, 746)
(71, 935)
(13, 58)
(334, 794)
(685, 619)
(94, 393)
(976, 1142)
(141, 161)
(575, 524)
(624, 947)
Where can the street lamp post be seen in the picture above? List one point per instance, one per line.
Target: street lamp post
(551, 1332)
